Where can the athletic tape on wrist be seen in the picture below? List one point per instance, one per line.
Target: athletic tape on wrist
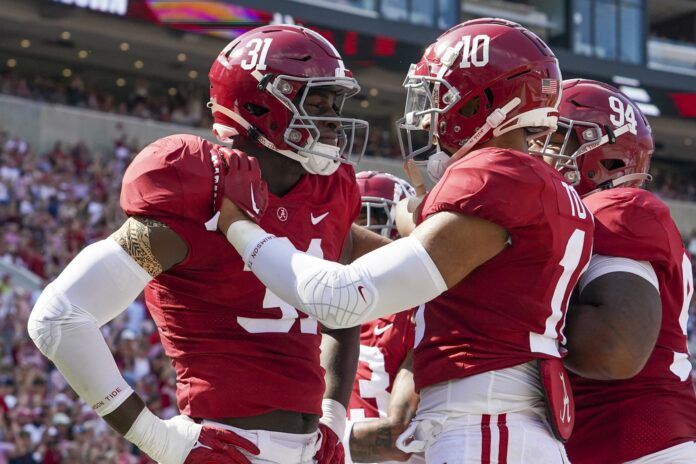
(334, 416)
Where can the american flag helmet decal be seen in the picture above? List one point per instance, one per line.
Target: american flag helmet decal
(549, 86)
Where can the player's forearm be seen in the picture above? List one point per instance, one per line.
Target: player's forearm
(123, 417)
(339, 358)
(375, 441)
(390, 279)
(364, 241)
(340, 350)
(404, 218)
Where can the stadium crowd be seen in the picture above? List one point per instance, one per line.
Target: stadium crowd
(673, 182)
(140, 98)
(51, 206)
(184, 105)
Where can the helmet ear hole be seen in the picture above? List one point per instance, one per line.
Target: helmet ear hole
(470, 108)
(255, 110)
(473, 106)
(489, 96)
(613, 164)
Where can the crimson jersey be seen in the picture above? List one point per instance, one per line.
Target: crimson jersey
(384, 344)
(511, 309)
(623, 420)
(238, 350)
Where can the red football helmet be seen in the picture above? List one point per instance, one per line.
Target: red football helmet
(479, 80)
(258, 85)
(614, 137)
(380, 192)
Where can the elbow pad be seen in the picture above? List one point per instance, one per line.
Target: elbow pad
(64, 324)
(393, 278)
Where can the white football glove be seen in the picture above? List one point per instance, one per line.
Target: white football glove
(179, 440)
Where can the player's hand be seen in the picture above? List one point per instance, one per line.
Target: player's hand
(180, 440)
(415, 177)
(407, 209)
(244, 186)
(217, 445)
(331, 450)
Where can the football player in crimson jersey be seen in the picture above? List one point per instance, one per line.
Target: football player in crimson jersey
(250, 386)
(384, 398)
(627, 330)
(502, 241)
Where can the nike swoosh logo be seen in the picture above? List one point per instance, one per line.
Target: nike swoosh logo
(198, 444)
(360, 289)
(253, 201)
(318, 219)
(381, 330)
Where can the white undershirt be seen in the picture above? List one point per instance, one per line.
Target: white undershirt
(601, 265)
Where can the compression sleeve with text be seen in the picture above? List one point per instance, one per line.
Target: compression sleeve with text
(388, 280)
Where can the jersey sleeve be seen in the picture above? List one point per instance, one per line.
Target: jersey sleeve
(601, 265)
(401, 337)
(171, 181)
(632, 225)
(494, 185)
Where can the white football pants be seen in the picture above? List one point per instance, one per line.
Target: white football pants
(278, 447)
(495, 439)
(493, 417)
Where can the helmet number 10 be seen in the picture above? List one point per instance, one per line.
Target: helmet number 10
(475, 51)
(256, 57)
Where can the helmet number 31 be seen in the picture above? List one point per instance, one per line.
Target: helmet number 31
(475, 51)
(257, 49)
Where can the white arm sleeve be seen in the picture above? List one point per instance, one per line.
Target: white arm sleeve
(393, 278)
(94, 288)
(601, 265)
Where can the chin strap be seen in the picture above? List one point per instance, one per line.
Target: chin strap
(619, 181)
(496, 118)
(606, 138)
(223, 132)
(438, 162)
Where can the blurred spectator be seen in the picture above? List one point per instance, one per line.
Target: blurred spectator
(691, 244)
(673, 181)
(180, 104)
